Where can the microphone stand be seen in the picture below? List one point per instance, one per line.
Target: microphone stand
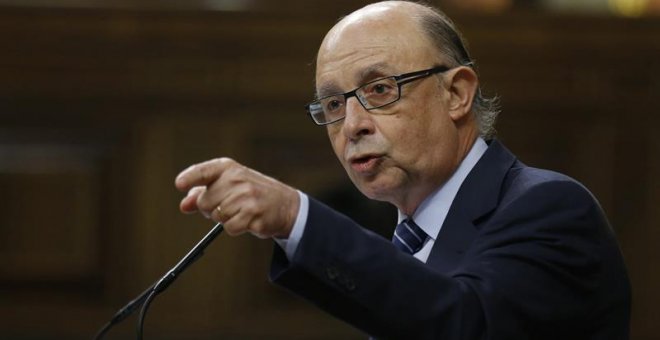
(160, 285)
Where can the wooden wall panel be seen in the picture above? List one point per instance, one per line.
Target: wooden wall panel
(40, 242)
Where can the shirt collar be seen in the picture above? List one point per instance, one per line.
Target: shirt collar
(431, 214)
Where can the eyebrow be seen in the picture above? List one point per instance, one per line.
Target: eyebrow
(365, 75)
(374, 71)
(327, 90)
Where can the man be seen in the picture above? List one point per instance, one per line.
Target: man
(488, 248)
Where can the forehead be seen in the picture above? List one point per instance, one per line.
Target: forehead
(368, 44)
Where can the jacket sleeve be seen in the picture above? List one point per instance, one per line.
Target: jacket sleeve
(533, 271)
(362, 279)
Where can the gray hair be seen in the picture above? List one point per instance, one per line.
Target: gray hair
(449, 41)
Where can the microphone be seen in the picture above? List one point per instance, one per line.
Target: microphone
(159, 286)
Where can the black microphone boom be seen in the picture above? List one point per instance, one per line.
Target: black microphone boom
(162, 284)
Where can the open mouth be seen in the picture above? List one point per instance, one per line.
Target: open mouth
(366, 163)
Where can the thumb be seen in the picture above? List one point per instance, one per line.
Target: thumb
(188, 204)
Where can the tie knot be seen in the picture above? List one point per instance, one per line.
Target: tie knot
(409, 237)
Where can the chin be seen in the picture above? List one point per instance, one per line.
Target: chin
(377, 191)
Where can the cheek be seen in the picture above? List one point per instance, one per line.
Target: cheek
(423, 133)
(336, 141)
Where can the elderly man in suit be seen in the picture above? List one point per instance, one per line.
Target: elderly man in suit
(486, 247)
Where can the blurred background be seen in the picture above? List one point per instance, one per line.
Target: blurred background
(103, 102)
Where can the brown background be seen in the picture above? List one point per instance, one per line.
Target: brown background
(101, 107)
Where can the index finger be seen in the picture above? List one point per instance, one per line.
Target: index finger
(201, 174)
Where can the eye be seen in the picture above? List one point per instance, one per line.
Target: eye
(332, 105)
(383, 87)
(380, 88)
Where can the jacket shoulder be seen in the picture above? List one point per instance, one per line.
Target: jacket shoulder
(525, 183)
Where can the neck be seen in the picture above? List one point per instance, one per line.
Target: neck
(414, 198)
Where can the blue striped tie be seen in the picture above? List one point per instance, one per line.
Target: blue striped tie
(409, 237)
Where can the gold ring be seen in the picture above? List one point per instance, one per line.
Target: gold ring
(217, 214)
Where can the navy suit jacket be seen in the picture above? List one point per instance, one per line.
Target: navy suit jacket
(524, 253)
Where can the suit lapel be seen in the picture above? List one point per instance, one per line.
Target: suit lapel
(478, 195)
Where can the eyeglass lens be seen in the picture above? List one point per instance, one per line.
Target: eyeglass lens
(372, 95)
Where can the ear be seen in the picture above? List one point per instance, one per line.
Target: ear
(461, 84)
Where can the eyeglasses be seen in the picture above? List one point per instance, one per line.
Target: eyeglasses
(372, 95)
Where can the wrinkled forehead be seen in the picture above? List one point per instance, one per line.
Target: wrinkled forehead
(378, 40)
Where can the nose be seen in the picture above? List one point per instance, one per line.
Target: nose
(358, 121)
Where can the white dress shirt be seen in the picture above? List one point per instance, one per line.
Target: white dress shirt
(430, 215)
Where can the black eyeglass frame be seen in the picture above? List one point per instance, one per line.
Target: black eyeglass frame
(400, 80)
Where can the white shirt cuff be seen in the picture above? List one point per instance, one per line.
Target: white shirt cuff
(289, 245)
